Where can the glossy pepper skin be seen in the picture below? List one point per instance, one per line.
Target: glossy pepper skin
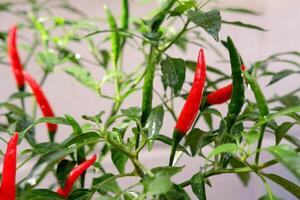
(73, 176)
(41, 100)
(8, 185)
(221, 95)
(191, 107)
(193, 101)
(14, 57)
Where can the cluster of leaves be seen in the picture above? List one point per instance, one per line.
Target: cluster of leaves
(113, 133)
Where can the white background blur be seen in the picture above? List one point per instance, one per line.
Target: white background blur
(280, 17)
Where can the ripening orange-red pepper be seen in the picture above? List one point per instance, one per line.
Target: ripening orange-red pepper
(73, 176)
(221, 95)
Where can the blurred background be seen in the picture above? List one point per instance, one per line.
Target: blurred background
(280, 18)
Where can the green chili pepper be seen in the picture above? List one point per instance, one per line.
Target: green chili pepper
(125, 15)
(238, 92)
(237, 97)
(262, 107)
(115, 36)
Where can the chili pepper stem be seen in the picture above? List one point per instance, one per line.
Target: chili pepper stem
(177, 137)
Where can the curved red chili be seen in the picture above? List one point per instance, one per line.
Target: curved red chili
(221, 95)
(14, 57)
(73, 176)
(8, 185)
(193, 101)
(41, 100)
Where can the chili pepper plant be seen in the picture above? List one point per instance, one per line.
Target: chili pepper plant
(183, 92)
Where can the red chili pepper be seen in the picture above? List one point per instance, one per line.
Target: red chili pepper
(193, 101)
(14, 57)
(8, 185)
(73, 176)
(191, 106)
(221, 95)
(41, 100)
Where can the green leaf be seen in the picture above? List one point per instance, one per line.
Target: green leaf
(119, 159)
(94, 118)
(175, 193)
(224, 148)
(171, 171)
(198, 186)
(242, 24)
(180, 9)
(169, 141)
(209, 21)
(39, 194)
(14, 109)
(280, 75)
(79, 139)
(133, 113)
(81, 194)
(154, 124)
(63, 170)
(48, 59)
(106, 183)
(83, 76)
(282, 130)
(244, 176)
(131, 195)
(286, 184)
(159, 184)
(266, 197)
(240, 10)
(288, 157)
(197, 139)
(173, 70)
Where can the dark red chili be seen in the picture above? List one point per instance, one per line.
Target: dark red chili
(73, 176)
(193, 101)
(41, 100)
(8, 185)
(191, 107)
(14, 57)
(221, 95)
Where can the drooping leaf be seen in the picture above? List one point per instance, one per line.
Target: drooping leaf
(198, 186)
(280, 75)
(242, 24)
(119, 159)
(83, 76)
(106, 183)
(168, 141)
(196, 139)
(210, 21)
(175, 193)
(154, 123)
(282, 130)
(173, 70)
(286, 184)
(288, 157)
